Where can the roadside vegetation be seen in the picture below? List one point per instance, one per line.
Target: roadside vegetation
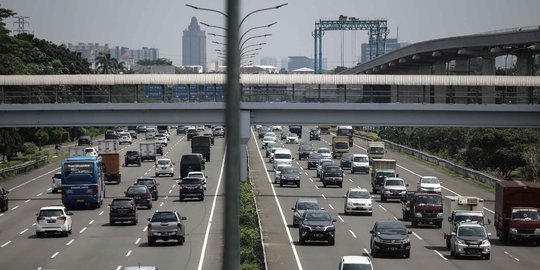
(251, 253)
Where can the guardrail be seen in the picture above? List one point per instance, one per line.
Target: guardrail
(23, 166)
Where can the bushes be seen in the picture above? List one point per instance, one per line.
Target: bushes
(251, 256)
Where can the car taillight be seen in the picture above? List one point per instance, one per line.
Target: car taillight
(61, 218)
(95, 191)
(40, 218)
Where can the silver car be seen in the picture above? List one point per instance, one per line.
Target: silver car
(303, 204)
(166, 225)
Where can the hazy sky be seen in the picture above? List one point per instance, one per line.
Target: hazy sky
(159, 23)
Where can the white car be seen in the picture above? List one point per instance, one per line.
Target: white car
(164, 166)
(90, 152)
(56, 182)
(272, 134)
(53, 219)
(267, 140)
(200, 175)
(278, 128)
(271, 154)
(277, 175)
(161, 139)
(125, 138)
(355, 262)
(358, 200)
(292, 138)
(325, 152)
(393, 188)
(164, 132)
(429, 184)
(360, 163)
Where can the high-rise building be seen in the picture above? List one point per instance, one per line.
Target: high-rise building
(296, 62)
(269, 61)
(391, 44)
(89, 51)
(194, 45)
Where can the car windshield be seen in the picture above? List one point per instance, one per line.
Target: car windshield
(198, 175)
(356, 266)
(137, 190)
(191, 181)
(359, 195)
(333, 170)
(164, 162)
(292, 135)
(376, 150)
(430, 180)
(164, 217)
(428, 200)
(317, 216)
(323, 150)
(342, 145)
(468, 218)
(50, 213)
(525, 214)
(394, 182)
(471, 231)
(122, 203)
(146, 182)
(308, 206)
(131, 153)
(361, 159)
(393, 230)
(282, 156)
(315, 156)
(290, 170)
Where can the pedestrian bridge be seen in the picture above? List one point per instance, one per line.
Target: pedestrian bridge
(362, 100)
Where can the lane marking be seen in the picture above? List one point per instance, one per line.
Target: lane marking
(6, 243)
(128, 253)
(170, 191)
(323, 196)
(145, 227)
(23, 231)
(354, 235)
(306, 173)
(55, 254)
(69, 243)
(166, 197)
(101, 213)
(382, 207)
(331, 206)
(317, 187)
(440, 255)
(161, 204)
(27, 201)
(119, 267)
(341, 219)
(511, 256)
(91, 221)
(351, 180)
(310, 179)
(15, 207)
(83, 229)
(138, 240)
(418, 236)
(39, 194)
(33, 179)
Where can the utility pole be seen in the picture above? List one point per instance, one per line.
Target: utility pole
(21, 24)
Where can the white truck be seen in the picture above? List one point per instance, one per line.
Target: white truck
(457, 209)
(148, 151)
(107, 145)
(77, 151)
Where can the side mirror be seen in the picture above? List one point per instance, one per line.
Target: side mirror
(183, 218)
(345, 196)
(334, 220)
(148, 219)
(70, 213)
(371, 231)
(292, 208)
(489, 221)
(409, 232)
(206, 176)
(489, 234)
(406, 185)
(397, 175)
(418, 182)
(449, 219)
(157, 184)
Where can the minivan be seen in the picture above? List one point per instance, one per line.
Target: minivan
(282, 156)
(190, 163)
(150, 133)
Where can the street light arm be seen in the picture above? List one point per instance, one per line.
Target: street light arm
(252, 45)
(213, 26)
(257, 27)
(259, 10)
(243, 43)
(207, 9)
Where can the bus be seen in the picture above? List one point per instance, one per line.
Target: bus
(346, 131)
(83, 181)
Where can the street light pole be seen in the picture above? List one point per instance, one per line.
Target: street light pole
(250, 38)
(258, 27)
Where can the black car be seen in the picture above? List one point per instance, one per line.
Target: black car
(132, 157)
(132, 133)
(181, 130)
(262, 131)
(111, 135)
(85, 140)
(390, 236)
(159, 149)
(3, 200)
(190, 163)
(211, 136)
(313, 160)
(332, 175)
(304, 150)
(346, 160)
(141, 194)
(151, 184)
(191, 187)
(314, 135)
(123, 209)
(289, 176)
(191, 133)
(317, 225)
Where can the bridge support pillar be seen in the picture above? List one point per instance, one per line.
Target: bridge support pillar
(422, 90)
(461, 92)
(488, 92)
(245, 133)
(524, 67)
(439, 95)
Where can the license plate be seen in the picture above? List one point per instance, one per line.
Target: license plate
(392, 248)
(137, 197)
(51, 221)
(318, 235)
(80, 201)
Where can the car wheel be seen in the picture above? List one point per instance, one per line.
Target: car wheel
(280, 184)
(408, 254)
(135, 221)
(181, 198)
(332, 242)
(202, 198)
(151, 241)
(487, 256)
(39, 234)
(302, 241)
(111, 222)
(452, 253)
(374, 253)
(180, 240)
(150, 206)
(346, 212)
(298, 185)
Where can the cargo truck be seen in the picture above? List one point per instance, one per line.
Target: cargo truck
(382, 168)
(296, 130)
(201, 145)
(324, 129)
(375, 150)
(346, 131)
(426, 208)
(111, 160)
(148, 151)
(458, 209)
(340, 145)
(517, 214)
(107, 145)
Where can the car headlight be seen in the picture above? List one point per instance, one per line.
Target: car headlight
(460, 242)
(513, 231)
(378, 240)
(297, 178)
(402, 192)
(387, 192)
(350, 204)
(537, 231)
(296, 214)
(408, 209)
(439, 215)
(329, 228)
(485, 242)
(368, 204)
(405, 240)
(418, 215)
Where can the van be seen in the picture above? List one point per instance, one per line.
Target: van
(150, 133)
(190, 163)
(282, 156)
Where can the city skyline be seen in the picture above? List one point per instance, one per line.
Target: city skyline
(159, 24)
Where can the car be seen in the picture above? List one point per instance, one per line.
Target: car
(346, 160)
(191, 162)
(292, 138)
(141, 129)
(277, 173)
(164, 132)
(470, 239)
(267, 140)
(53, 219)
(332, 175)
(282, 156)
(358, 200)
(277, 128)
(200, 175)
(141, 194)
(406, 205)
(132, 157)
(284, 134)
(4, 200)
(85, 140)
(355, 263)
(313, 160)
(317, 225)
(125, 138)
(151, 184)
(390, 236)
(269, 147)
(272, 152)
(166, 225)
(150, 133)
(323, 161)
(326, 153)
(360, 163)
(218, 132)
(191, 132)
(191, 187)
(301, 205)
(429, 184)
(111, 135)
(211, 136)
(289, 175)
(262, 130)
(181, 130)
(304, 150)
(140, 267)
(123, 209)
(161, 139)
(199, 127)
(393, 188)
(270, 133)
(315, 135)
(132, 133)
(56, 185)
(90, 152)
(164, 166)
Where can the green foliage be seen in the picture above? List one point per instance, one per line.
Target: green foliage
(30, 148)
(250, 242)
(157, 62)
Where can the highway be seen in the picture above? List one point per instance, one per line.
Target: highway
(94, 244)
(428, 249)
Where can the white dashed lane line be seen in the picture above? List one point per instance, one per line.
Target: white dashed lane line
(440, 255)
(23, 231)
(324, 197)
(341, 219)
(83, 229)
(331, 206)
(91, 221)
(101, 213)
(27, 201)
(138, 240)
(128, 253)
(161, 204)
(367, 252)
(317, 187)
(382, 207)
(5, 244)
(351, 180)
(70, 241)
(55, 254)
(39, 194)
(170, 191)
(354, 235)
(417, 236)
(15, 207)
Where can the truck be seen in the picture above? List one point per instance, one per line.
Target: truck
(382, 168)
(201, 145)
(76, 151)
(296, 130)
(325, 129)
(340, 145)
(112, 161)
(148, 151)
(107, 145)
(426, 208)
(375, 150)
(517, 211)
(346, 131)
(458, 209)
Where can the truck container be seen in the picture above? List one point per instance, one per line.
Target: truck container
(346, 131)
(382, 168)
(148, 151)
(340, 145)
(426, 208)
(457, 209)
(296, 130)
(107, 145)
(375, 150)
(201, 145)
(325, 129)
(517, 214)
(76, 151)
(112, 161)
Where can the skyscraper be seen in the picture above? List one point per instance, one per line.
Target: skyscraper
(194, 45)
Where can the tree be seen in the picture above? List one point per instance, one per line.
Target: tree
(157, 62)
(10, 142)
(105, 64)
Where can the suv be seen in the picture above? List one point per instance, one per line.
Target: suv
(301, 206)
(314, 135)
(218, 132)
(332, 175)
(313, 160)
(164, 166)
(151, 184)
(277, 173)
(192, 132)
(323, 162)
(85, 140)
(346, 160)
(393, 188)
(390, 236)
(360, 163)
(304, 150)
(141, 194)
(470, 239)
(181, 130)
(3, 199)
(56, 185)
(191, 187)
(190, 163)
(199, 174)
(269, 148)
(123, 209)
(125, 138)
(211, 136)
(161, 139)
(355, 263)
(429, 184)
(166, 225)
(132, 157)
(358, 200)
(317, 225)
(289, 176)
(53, 219)
(111, 135)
